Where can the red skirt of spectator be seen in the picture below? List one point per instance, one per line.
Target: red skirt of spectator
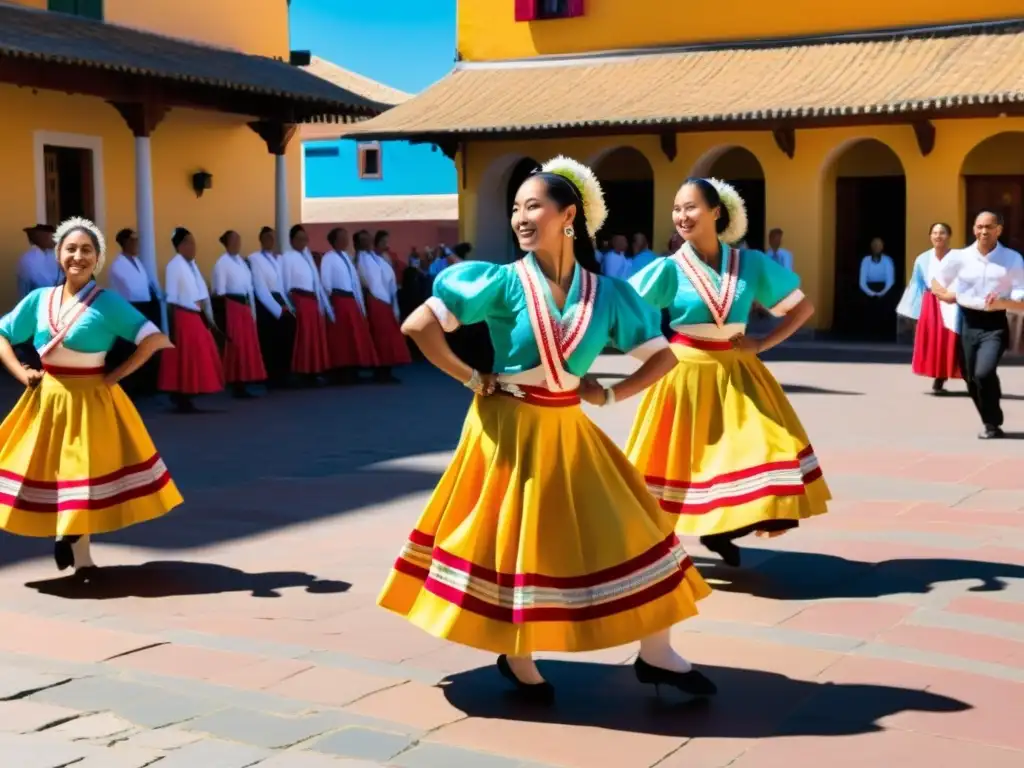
(387, 335)
(243, 361)
(192, 366)
(935, 346)
(309, 355)
(348, 337)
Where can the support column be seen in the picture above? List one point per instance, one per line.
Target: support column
(143, 119)
(276, 135)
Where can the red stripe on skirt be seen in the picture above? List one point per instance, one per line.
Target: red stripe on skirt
(192, 366)
(348, 338)
(309, 354)
(243, 360)
(387, 335)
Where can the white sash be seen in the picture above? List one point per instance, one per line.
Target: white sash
(718, 301)
(555, 341)
(62, 322)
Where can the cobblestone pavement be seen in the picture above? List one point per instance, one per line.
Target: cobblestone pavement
(241, 630)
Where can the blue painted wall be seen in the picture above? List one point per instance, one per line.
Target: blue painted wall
(408, 169)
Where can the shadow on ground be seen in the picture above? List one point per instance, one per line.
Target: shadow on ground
(812, 576)
(750, 704)
(177, 578)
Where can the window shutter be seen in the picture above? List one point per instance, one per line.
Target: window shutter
(574, 8)
(526, 10)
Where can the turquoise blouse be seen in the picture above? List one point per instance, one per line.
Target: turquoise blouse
(109, 317)
(475, 291)
(665, 285)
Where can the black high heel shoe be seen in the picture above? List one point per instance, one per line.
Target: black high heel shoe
(540, 693)
(724, 548)
(693, 682)
(63, 556)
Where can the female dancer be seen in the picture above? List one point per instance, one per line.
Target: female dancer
(348, 339)
(301, 278)
(540, 535)
(192, 366)
(234, 307)
(75, 458)
(717, 440)
(936, 336)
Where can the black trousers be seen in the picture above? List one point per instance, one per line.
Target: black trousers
(984, 337)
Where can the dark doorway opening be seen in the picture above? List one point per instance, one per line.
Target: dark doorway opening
(1003, 195)
(69, 183)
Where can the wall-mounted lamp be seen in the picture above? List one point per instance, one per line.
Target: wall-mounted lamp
(201, 181)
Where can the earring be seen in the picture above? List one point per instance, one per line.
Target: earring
(570, 232)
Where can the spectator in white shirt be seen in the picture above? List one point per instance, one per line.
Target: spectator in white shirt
(348, 338)
(38, 267)
(381, 292)
(776, 252)
(192, 366)
(234, 306)
(301, 277)
(130, 280)
(275, 315)
(876, 280)
(986, 279)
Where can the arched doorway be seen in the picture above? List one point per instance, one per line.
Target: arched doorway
(993, 174)
(870, 202)
(628, 182)
(740, 167)
(497, 190)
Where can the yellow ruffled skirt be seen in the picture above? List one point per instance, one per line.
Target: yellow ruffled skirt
(75, 459)
(541, 537)
(722, 448)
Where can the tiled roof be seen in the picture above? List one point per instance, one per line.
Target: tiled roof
(338, 210)
(352, 82)
(39, 35)
(802, 82)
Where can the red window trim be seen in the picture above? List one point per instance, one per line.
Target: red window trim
(529, 10)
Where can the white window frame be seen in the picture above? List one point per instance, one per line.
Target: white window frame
(42, 139)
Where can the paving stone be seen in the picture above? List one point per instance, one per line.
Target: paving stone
(363, 743)
(27, 716)
(163, 739)
(122, 757)
(264, 730)
(98, 726)
(16, 682)
(302, 759)
(38, 750)
(373, 667)
(141, 704)
(441, 756)
(210, 753)
(219, 696)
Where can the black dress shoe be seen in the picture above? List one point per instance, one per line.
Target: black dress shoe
(991, 433)
(63, 556)
(724, 548)
(540, 693)
(693, 682)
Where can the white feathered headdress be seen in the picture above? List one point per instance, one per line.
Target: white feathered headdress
(586, 184)
(733, 203)
(70, 225)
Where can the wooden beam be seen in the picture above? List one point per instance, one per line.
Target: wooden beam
(276, 135)
(785, 139)
(142, 117)
(924, 131)
(669, 146)
(463, 151)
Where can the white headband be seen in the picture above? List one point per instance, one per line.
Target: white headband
(586, 184)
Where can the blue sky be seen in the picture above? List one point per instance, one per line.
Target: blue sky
(407, 44)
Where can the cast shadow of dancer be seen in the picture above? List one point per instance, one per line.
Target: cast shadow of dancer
(784, 575)
(180, 578)
(751, 704)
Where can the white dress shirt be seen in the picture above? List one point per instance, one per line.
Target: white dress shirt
(37, 269)
(186, 287)
(379, 278)
(881, 271)
(231, 276)
(130, 280)
(782, 257)
(338, 273)
(299, 273)
(615, 264)
(1000, 272)
(266, 281)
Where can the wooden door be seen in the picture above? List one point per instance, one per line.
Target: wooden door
(1003, 195)
(88, 206)
(51, 181)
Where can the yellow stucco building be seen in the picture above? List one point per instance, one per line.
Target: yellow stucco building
(153, 114)
(837, 121)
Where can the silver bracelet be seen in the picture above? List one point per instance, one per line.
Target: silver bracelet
(609, 397)
(474, 382)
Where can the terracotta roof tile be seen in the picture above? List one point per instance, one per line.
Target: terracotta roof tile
(356, 83)
(807, 80)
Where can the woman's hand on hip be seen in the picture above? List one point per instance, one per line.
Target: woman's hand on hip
(31, 376)
(744, 343)
(591, 391)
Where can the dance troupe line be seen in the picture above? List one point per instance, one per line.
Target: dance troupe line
(542, 535)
